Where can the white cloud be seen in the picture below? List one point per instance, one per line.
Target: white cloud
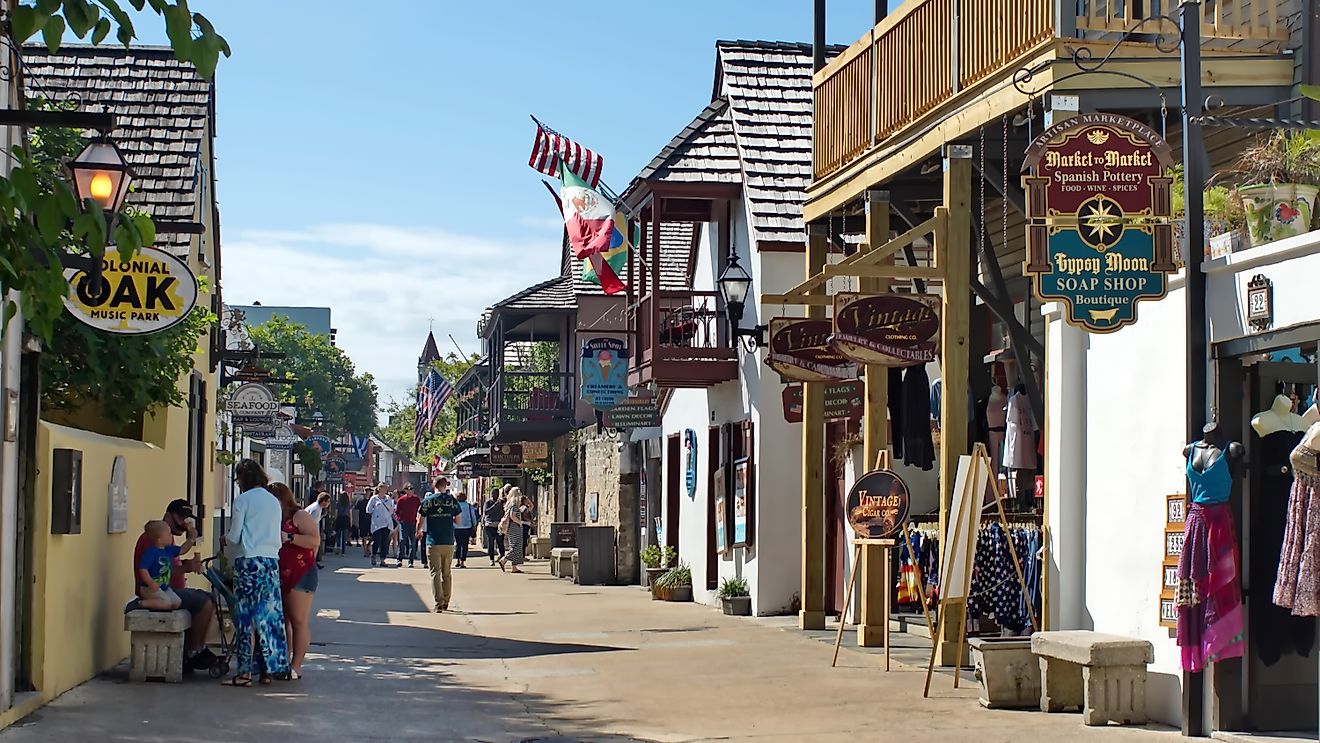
(543, 223)
(384, 284)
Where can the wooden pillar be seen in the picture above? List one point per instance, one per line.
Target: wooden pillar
(874, 620)
(955, 261)
(812, 614)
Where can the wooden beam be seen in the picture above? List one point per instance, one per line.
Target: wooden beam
(812, 614)
(875, 428)
(808, 300)
(953, 254)
(884, 272)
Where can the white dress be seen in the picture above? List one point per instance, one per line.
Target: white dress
(1019, 444)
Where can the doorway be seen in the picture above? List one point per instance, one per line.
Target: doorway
(1281, 669)
(836, 536)
(673, 476)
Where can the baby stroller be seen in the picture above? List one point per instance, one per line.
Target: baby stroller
(222, 593)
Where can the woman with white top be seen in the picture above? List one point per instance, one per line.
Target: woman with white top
(254, 539)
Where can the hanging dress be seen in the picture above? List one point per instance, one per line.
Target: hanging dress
(1298, 584)
(1209, 599)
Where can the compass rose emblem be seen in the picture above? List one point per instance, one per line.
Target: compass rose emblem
(1100, 222)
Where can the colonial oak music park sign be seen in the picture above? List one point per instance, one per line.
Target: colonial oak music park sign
(147, 294)
(1099, 231)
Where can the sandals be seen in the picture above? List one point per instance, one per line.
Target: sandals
(241, 680)
(502, 562)
(289, 675)
(266, 679)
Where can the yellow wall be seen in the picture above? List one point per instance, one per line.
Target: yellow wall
(84, 580)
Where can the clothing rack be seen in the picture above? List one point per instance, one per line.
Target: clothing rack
(1015, 519)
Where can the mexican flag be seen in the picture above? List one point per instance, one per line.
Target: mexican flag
(591, 222)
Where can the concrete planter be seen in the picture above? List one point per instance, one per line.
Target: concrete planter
(653, 573)
(1008, 672)
(679, 593)
(737, 606)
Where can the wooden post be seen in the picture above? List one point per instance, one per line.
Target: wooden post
(954, 259)
(812, 614)
(873, 624)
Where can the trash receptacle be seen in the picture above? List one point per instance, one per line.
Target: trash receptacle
(595, 555)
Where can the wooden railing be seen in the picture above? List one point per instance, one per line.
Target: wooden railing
(682, 325)
(913, 61)
(927, 51)
(1247, 20)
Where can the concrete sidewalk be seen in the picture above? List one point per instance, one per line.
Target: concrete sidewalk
(531, 657)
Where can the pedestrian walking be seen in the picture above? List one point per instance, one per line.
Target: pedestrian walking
(528, 516)
(317, 511)
(421, 532)
(439, 510)
(343, 522)
(513, 528)
(465, 524)
(491, 515)
(298, 577)
(405, 510)
(381, 511)
(254, 539)
(363, 520)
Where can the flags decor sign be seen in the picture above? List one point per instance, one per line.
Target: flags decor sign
(552, 149)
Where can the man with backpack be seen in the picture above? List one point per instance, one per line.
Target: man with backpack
(491, 515)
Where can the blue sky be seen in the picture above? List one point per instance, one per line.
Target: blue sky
(377, 161)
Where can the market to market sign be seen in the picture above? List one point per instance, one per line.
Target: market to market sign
(1099, 231)
(147, 294)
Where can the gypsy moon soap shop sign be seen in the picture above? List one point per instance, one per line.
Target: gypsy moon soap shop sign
(604, 372)
(1099, 233)
(150, 293)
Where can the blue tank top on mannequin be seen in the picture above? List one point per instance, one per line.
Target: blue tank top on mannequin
(1212, 486)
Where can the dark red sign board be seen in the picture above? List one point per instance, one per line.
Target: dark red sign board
(800, 350)
(886, 329)
(878, 505)
(843, 401)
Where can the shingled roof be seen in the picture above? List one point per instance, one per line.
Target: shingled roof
(704, 152)
(550, 295)
(768, 85)
(162, 109)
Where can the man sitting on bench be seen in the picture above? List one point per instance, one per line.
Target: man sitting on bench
(179, 517)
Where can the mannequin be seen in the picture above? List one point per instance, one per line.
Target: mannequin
(996, 416)
(1280, 417)
(1209, 596)
(1020, 449)
(1312, 415)
(1201, 455)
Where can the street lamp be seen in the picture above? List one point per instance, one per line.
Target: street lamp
(318, 419)
(735, 284)
(100, 173)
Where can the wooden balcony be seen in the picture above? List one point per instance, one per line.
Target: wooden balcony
(683, 340)
(531, 406)
(930, 53)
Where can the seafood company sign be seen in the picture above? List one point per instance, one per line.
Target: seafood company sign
(1099, 226)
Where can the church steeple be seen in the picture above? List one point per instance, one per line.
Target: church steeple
(429, 353)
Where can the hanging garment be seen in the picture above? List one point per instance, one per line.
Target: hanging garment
(1275, 630)
(1209, 594)
(1006, 592)
(918, 444)
(1212, 486)
(896, 411)
(1298, 584)
(996, 419)
(1019, 442)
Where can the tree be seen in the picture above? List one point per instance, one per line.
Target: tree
(41, 222)
(326, 380)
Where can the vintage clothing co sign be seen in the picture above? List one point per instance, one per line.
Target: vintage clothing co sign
(800, 350)
(150, 293)
(1099, 233)
(886, 329)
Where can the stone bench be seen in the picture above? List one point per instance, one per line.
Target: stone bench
(561, 561)
(1104, 675)
(157, 642)
(539, 549)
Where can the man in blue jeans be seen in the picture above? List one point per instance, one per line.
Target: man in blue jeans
(405, 510)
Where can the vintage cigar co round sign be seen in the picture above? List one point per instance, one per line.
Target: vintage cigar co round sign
(886, 329)
(878, 505)
(150, 293)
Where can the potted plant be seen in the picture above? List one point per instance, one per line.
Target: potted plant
(657, 561)
(735, 597)
(1225, 217)
(675, 585)
(1278, 178)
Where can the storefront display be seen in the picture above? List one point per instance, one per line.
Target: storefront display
(1298, 584)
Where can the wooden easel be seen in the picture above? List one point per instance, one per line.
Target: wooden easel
(881, 463)
(964, 522)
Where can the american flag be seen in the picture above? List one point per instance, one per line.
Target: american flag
(432, 395)
(551, 147)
